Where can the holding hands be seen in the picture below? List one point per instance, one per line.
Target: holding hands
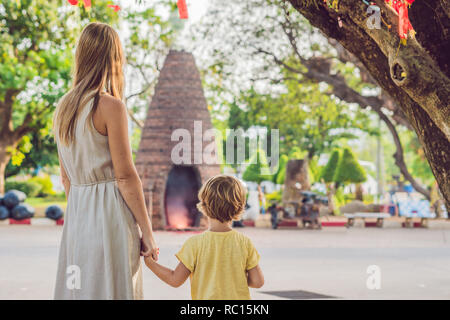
(148, 247)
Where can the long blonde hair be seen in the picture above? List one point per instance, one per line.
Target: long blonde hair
(99, 61)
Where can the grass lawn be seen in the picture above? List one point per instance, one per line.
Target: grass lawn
(40, 204)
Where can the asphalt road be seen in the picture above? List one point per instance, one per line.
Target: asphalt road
(299, 264)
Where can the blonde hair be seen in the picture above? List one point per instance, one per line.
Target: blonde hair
(99, 60)
(222, 198)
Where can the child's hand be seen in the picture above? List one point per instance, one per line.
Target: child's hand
(148, 247)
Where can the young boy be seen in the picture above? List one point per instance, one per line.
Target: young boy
(221, 262)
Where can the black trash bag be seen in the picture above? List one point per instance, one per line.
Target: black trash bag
(4, 213)
(22, 211)
(13, 197)
(54, 212)
(1, 200)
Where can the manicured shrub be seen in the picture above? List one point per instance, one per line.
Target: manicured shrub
(348, 169)
(279, 176)
(257, 169)
(330, 168)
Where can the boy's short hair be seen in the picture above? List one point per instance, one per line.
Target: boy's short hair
(222, 197)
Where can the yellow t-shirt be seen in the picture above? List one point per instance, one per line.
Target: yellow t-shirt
(218, 262)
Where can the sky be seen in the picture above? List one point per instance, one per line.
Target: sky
(196, 8)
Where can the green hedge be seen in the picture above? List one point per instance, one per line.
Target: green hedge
(30, 188)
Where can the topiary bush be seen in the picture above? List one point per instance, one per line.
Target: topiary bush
(330, 169)
(278, 177)
(257, 169)
(348, 169)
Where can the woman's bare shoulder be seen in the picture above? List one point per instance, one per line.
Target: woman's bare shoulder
(109, 102)
(111, 107)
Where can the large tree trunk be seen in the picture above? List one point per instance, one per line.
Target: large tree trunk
(296, 180)
(4, 159)
(415, 75)
(10, 136)
(320, 70)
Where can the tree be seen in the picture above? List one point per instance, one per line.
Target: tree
(330, 168)
(258, 168)
(302, 55)
(37, 38)
(348, 169)
(415, 75)
(307, 120)
(35, 61)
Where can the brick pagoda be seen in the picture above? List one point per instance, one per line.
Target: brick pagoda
(171, 189)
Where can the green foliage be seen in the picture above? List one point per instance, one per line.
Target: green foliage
(415, 158)
(36, 42)
(314, 170)
(348, 169)
(43, 153)
(330, 169)
(297, 153)
(30, 188)
(46, 185)
(275, 196)
(308, 121)
(258, 168)
(279, 176)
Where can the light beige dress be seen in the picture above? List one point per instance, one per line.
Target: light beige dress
(99, 256)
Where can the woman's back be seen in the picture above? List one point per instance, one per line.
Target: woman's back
(100, 234)
(87, 160)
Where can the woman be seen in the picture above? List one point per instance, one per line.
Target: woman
(100, 248)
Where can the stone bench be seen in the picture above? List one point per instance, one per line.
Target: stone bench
(379, 216)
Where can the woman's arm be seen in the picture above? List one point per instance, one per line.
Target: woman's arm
(64, 178)
(255, 277)
(114, 114)
(174, 278)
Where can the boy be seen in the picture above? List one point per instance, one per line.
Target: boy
(222, 263)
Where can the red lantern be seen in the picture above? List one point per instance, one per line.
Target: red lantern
(404, 25)
(114, 6)
(87, 3)
(182, 9)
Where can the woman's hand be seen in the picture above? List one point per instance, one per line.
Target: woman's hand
(148, 247)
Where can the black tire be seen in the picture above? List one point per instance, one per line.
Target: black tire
(54, 212)
(13, 198)
(22, 211)
(4, 213)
